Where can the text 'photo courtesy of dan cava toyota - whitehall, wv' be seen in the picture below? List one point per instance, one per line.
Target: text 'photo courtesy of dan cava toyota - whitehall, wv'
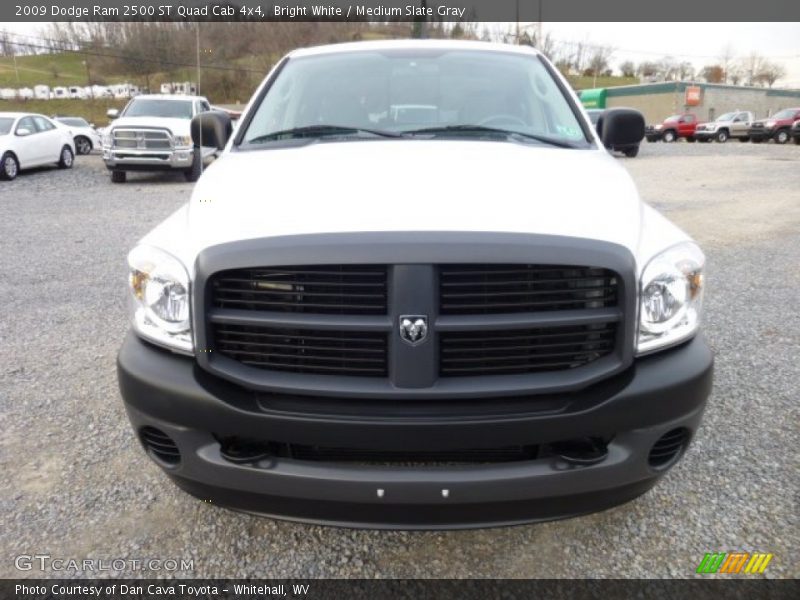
(472, 356)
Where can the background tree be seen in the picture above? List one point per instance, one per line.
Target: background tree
(770, 72)
(627, 68)
(713, 73)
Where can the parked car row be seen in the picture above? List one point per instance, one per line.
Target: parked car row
(740, 124)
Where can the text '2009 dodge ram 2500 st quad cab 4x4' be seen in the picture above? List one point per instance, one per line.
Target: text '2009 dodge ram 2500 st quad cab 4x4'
(510, 335)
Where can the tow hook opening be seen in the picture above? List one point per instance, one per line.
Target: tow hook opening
(581, 451)
(240, 451)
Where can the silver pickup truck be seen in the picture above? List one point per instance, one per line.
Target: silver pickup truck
(730, 125)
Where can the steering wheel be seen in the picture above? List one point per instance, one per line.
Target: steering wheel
(503, 119)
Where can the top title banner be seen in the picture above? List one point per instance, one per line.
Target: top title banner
(399, 10)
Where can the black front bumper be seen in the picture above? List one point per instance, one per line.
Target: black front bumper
(760, 134)
(657, 394)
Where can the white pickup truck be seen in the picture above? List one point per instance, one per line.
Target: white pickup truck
(152, 134)
(416, 291)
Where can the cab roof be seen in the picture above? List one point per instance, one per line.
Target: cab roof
(413, 44)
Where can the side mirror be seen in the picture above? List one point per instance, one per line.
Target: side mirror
(112, 113)
(92, 126)
(23, 131)
(211, 129)
(621, 127)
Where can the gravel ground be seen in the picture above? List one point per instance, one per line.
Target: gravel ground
(76, 483)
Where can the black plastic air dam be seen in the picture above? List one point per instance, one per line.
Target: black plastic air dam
(661, 392)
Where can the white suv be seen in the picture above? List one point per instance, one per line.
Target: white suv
(153, 134)
(416, 291)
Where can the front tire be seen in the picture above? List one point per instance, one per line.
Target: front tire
(67, 158)
(83, 145)
(722, 136)
(631, 152)
(669, 136)
(193, 173)
(9, 167)
(118, 176)
(781, 137)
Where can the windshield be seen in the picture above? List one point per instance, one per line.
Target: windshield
(5, 125)
(726, 117)
(174, 109)
(673, 118)
(428, 92)
(784, 114)
(74, 122)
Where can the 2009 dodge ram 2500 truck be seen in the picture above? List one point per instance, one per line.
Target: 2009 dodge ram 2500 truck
(152, 134)
(415, 290)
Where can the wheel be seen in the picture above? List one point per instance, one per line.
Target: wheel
(10, 167)
(118, 176)
(193, 174)
(669, 136)
(781, 137)
(744, 139)
(631, 152)
(722, 136)
(83, 145)
(691, 139)
(66, 159)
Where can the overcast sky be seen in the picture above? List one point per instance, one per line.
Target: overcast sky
(700, 43)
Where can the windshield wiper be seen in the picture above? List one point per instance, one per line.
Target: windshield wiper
(318, 131)
(483, 129)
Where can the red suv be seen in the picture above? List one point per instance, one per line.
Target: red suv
(778, 126)
(674, 127)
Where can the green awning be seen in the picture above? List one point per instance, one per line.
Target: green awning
(594, 98)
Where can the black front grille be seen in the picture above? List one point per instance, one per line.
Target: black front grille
(494, 352)
(493, 289)
(321, 289)
(357, 353)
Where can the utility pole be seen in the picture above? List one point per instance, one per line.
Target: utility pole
(16, 70)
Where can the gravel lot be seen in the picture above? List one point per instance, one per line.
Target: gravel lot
(76, 483)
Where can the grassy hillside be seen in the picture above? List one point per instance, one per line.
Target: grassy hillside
(93, 111)
(580, 82)
(65, 69)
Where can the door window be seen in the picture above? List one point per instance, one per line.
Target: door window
(27, 123)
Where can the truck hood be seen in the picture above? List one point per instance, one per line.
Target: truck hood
(413, 185)
(176, 126)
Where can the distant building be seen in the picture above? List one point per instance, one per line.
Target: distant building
(707, 100)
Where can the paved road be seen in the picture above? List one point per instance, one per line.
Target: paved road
(76, 484)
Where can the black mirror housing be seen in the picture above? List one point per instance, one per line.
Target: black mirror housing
(211, 129)
(619, 127)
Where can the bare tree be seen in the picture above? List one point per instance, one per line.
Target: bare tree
(726, 57)
(751, 66)
(627, 68)
(598, 60)
(685, 71)
(647, 70)
(770, 72)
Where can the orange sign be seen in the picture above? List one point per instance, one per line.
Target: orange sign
(693, 94)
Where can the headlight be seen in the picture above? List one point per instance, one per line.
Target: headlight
(181, 141)
(671, 297)
(159, 286)
(107, 140)
(770, 124)
(659, 126)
